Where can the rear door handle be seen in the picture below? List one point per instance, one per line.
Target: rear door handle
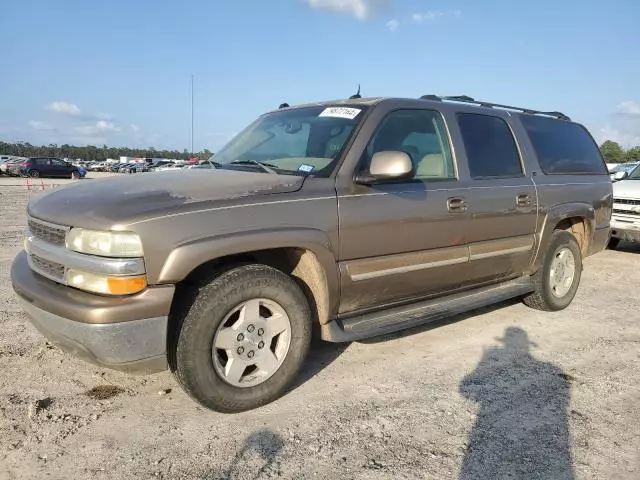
(523, 200)
(456, 205)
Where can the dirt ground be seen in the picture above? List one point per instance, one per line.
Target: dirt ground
(507, 392)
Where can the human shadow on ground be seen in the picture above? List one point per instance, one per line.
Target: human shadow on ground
(322, 354)
(521, 430)
(254, 460)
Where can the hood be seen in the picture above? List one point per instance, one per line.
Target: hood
(627, 189)
(101, 204)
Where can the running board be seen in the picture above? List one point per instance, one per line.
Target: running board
(407, 316)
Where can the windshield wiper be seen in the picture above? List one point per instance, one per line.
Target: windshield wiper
(214, 164)
(264, 166)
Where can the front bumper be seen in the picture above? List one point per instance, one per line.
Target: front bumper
(626, 229)
(122, 333)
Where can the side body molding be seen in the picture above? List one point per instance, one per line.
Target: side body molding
(185, 258)
(552, 217)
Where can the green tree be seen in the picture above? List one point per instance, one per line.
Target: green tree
(633, 154)
(612, 152)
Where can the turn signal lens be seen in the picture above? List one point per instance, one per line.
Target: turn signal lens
(126, 285)
(105, 284)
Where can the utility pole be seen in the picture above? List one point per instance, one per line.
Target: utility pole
(192, 114)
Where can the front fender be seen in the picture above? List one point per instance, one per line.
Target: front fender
(553, 217)
(185, 258)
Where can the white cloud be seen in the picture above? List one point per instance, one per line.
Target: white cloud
(134, 128)
(65, 108)
(101, 126)
(624, 137)
(393, 25)
(360, 9)
(629, 107)
(102, 116)
(38, 125)
(433, 15)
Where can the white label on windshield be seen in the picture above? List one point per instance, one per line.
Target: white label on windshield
(340, 112)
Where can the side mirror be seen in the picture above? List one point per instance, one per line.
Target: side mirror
(386, 166)
(620, 175)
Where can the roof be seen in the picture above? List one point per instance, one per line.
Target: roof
(433, 99)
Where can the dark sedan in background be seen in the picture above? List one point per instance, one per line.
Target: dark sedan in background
(36, 167)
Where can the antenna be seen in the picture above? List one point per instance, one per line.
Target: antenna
(283, 105)
(357, 95)
(192, 114)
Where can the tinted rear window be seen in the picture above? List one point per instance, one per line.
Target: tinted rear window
(490, 146)
(563, 147)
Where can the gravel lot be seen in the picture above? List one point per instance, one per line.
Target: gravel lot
(503, 393)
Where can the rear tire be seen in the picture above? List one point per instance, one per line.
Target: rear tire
(557, 280)
(613, 244)
(200, 361)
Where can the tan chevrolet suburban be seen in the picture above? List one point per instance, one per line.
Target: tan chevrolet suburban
(350, 218)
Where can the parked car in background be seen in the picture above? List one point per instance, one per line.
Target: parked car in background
(36, 167)
(625, 221)
(622, 167)
(4, 159)
(167, 167)
(97, 167)
(199, 166)
(14, 166)
(135, 168)
(159, 164)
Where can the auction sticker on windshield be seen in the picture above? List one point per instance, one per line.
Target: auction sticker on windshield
(340, 112)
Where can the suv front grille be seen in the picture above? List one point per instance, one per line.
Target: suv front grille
(53, 270)
(48, 233)
(626, 201)
(625, 212)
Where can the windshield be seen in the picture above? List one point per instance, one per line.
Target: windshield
(624, 167)
(301, 141)
(635, 173)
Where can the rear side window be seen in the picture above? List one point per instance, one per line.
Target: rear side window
(491, 149)
(563, 147)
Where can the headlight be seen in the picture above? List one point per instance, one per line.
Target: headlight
(104, 244)
(108, 285)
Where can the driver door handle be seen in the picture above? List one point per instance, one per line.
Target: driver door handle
(523, 200)
(457, 205)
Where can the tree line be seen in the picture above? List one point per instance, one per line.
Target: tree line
(611, 151)
(90, 152)
(614, 153)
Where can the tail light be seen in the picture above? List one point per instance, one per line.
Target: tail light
(28, 164)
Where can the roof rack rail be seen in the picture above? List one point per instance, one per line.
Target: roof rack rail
(467, 99)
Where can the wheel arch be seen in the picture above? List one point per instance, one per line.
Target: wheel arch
(304, 254)
(575, 218)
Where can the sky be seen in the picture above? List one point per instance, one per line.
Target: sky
(118, 72)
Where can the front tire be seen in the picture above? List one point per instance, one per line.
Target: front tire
(34, 174)
(557, 280)
(244, 339)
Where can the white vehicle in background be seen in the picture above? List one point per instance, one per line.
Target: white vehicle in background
(168, 167)
(4, 159)
(625, 220)
(622, 167)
